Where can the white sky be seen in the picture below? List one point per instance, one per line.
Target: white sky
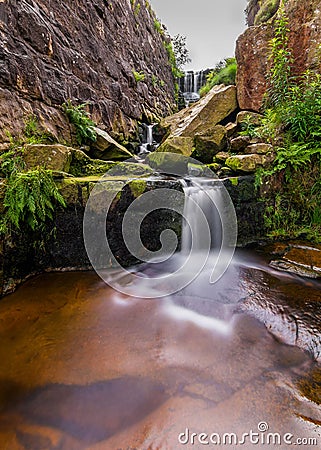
(211, 27)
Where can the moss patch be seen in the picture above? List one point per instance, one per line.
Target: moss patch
(267, 10)
(137, 187)
(81, 164)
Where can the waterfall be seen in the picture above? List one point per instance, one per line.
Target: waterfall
(191, 84)
(148, 141)
(202, 228)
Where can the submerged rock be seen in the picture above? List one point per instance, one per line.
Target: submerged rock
(302, 260)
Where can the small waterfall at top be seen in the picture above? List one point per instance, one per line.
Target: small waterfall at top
(148, 141)
(190, 85)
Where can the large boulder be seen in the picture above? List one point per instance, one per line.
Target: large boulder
(54, 157)
(218, 104)
(209, 143)
(177, 144)
(252, 47)
(168, 163)
(106, 148)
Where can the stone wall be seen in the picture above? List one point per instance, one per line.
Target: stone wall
(252, 48)
(61, 247)
(86, 51)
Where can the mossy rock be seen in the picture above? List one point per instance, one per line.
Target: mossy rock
(248, 117)
(83, 165)
(130, 169)
(200, 170)
(168, 163)
(266, 12)
(260, 148)
(246, 163)
(53, 157)
(177, 144)
(209, 143)
(106, 148)
(214, 167)
(137, 187)
(221, 157)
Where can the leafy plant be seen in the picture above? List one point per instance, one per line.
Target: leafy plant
(224, 73)
(279, 75)
(11, 162)
(30, 199)
(32, 134)
(159, 27)
(139, 76)
(180, 51)
(292, 122)
(176, 71)
(80, 118)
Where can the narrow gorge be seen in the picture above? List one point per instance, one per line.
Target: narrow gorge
(160, 230)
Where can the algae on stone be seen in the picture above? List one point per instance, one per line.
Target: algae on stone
(137, 187)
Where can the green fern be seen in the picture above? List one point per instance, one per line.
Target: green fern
(30, 199)
(80, 118)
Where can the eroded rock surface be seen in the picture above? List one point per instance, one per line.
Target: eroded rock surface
(252, 48)
(85, 51)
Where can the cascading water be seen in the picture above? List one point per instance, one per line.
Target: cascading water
(208, 197)
(148, 141)
(190, 85)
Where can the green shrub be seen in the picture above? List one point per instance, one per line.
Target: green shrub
(32, 134)
(292, 122)
(158, 27)
(82, 122)
(224, 73)
(177, 73)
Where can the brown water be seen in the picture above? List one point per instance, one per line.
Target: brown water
(84, 367)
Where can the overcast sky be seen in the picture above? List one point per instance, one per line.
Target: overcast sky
(211, 27)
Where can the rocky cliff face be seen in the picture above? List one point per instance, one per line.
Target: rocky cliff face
(84, 50)
(252, 47)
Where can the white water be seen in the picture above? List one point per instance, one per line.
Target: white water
(208, 198)
(148, 140)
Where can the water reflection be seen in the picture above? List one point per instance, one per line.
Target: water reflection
(84, 367)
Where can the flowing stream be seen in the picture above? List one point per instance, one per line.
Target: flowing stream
(86, 367)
